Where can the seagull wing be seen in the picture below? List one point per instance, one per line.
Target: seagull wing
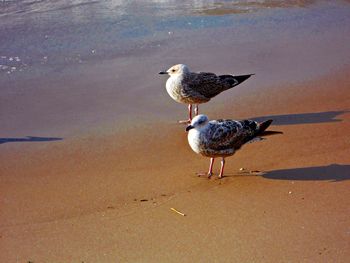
(204, 84)
(208, 85)
(221, 135)
(229, 134)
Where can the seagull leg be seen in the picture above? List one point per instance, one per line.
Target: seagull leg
(222, 168)
(210, 172)
(189, 114)
(196, 111)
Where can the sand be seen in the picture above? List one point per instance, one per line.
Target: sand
(108, 198)
(108, 161)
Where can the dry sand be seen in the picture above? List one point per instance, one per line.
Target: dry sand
(108, 198)
(104, 192)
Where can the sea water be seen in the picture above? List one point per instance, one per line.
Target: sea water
(67, 66)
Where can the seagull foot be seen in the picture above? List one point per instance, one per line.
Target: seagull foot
(204, 174)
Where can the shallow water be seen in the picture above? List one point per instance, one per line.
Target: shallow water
(61, 33)
(69, 66)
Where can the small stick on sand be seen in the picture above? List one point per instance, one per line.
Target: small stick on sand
(173, 209)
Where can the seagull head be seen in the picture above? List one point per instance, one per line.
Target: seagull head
(198, 122)
(176, 70)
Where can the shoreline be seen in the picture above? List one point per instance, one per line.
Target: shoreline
(119, 189)
(108, 164)
(74, 99)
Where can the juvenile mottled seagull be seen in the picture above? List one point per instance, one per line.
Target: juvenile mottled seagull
(191, 88)
(221, 138)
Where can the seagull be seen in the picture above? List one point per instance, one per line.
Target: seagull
(193, 88)
(222, 138)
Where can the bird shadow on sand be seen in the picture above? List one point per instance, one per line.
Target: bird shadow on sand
(30, 139)
(303, 118)
(333, 173)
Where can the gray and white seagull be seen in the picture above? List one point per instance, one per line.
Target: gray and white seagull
(193, 88)
(222, 138)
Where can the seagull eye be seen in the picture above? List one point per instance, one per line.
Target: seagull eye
(173, 70)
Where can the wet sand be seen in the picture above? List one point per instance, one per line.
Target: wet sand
(107, 161)
(108, 198)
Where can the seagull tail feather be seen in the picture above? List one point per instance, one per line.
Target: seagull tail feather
(263, 126)
(241, 78)
(234, 80)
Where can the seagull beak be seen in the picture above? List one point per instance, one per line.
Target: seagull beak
(189, 127)
(163, 72)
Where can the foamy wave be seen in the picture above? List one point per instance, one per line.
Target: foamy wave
(11, 64)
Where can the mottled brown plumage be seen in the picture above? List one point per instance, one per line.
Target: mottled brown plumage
(203, 86)
(222, 138)
(196, 88)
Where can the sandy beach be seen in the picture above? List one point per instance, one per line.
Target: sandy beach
(98, 179)
(105, 199)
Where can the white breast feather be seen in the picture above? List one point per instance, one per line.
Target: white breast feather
(194, 140)
(173, 86)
